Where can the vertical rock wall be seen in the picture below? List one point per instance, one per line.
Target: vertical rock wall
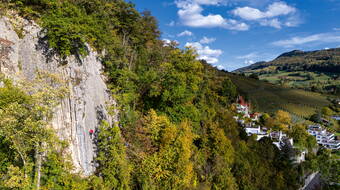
(85, 106)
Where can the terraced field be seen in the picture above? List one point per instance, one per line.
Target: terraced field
(301, 80)
(266, 97)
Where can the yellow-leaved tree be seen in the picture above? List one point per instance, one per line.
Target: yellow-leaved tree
(166, 162)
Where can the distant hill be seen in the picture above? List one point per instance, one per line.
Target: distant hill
(312, 70)
(267, 97)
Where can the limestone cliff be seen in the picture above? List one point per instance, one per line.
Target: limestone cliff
(83, 108)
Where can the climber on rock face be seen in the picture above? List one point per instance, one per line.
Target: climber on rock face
(91, 132)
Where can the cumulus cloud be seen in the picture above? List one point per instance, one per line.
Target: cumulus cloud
(206, 40)
(185, 33)
(273, 10)
(269, 16)
(168, 42)
(316, 38)
(190, 14)
(205, 52)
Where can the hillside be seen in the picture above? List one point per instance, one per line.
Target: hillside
(315, 71)
(169, 124)
(267, 97)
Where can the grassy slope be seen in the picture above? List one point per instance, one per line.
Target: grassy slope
(294, 60)
(300, 79)
(298, 69)
(266, 97)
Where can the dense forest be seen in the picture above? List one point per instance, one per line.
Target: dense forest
(176, 128)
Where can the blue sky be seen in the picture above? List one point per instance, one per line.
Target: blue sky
(235, 33)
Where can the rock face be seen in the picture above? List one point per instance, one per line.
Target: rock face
(84, 107)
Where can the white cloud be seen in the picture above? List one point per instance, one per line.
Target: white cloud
(167, 42)
(271, 22)
(293, 20)
(206, 40)
(220, 67)
(316, 38)
(185, 33)
(249, 58)
(269, 16)
(205, 52)
(273, 10)
(279, 8)
(336, 29)
(254, 57)
(248, 13)
(249, 62)
(190, 14)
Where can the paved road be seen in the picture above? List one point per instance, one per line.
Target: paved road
(314, 184)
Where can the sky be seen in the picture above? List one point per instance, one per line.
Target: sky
(231, 34)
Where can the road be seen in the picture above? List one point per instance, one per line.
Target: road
(314, 184)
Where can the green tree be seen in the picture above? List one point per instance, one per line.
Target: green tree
(326, 111)
(302, 138)
(112, 160)
(329, 167)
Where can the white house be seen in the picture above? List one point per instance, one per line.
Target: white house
(336, 117)
(323, 137)
(256, 130)
(243, 109)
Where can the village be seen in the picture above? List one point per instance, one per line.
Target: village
(249, 121)
(251, 125)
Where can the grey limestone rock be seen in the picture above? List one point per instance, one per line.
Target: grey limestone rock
(86, 104)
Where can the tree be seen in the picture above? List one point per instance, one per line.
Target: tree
(254, 76)
(302, 138)
(175, 85)
(282, 120)
(168, 165)
(328, 166)
(316, 118)
(113, 166)
(264, 118)
(326, 111)
(223, 158)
